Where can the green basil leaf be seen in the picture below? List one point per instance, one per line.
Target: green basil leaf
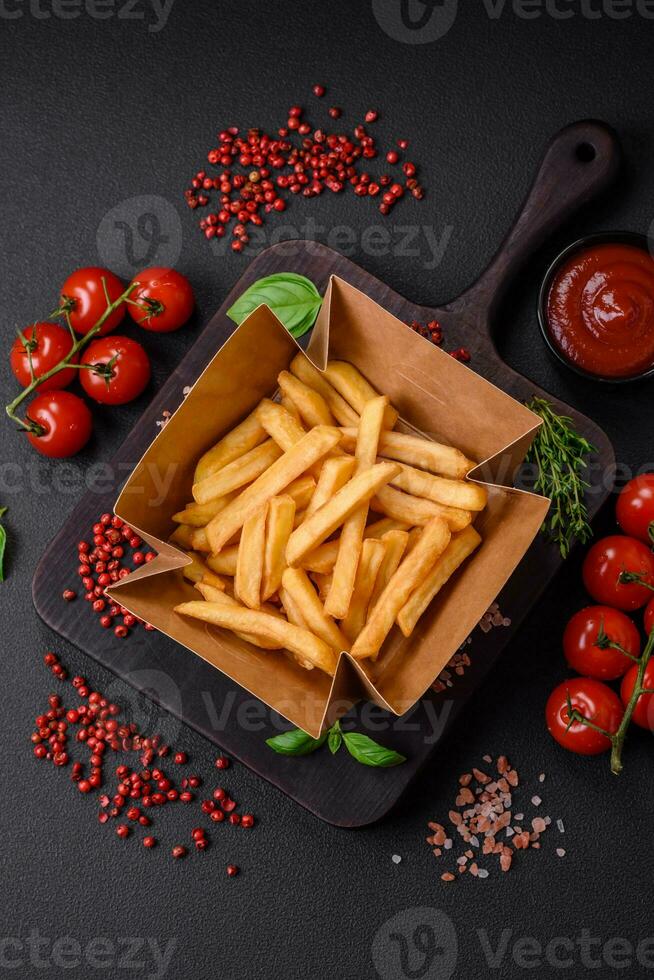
(335, 740)
(370, 753)
(295, 742)
(293, 298)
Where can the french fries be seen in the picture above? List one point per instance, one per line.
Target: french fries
(299, 641)
(199, 515)
(237, 474)
(372, 556)
(183, 536)
(351, 384)
(334, 474)
(417, 510)
(312, 407)
(315, 539)
(332, 514)
(215, 595)
(395, 547)
(408, 576)
(225, 562)
(323, 558)
(349, 551)
(311, 447)
(303, 369)
(197, 571)
(450, 493)
(235, 444)
(296, 584)
(279, 525)
(249, 563)
(460, 547)
(280, 424)
(416, 451)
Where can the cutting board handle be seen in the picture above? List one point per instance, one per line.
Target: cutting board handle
(579, 163)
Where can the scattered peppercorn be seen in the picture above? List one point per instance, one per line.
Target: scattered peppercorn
(322, 161)
(100, 729)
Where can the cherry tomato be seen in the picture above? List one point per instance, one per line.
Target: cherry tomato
(644, 711)
(648, 621)
(587, 638)
(84, 296)
(609, 566)
(64, 421)
(635, 508)
(594, 701)
(165, 299)
(48, 344)
(128, 375)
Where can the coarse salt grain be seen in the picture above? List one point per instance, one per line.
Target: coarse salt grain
(482, 873)
(536, 800)
(396, 859)
(560, 852)
(561, 828)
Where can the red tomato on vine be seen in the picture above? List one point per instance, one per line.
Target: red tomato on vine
(84, 297)
(619, 571)
(45, 344)
(594, 701)
(123, 370)
(164, 300)
(635, 508)
(644, 711)
(592, 638)
(61, 424)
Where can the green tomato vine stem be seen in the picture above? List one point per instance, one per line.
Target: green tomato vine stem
(79, 343)
(618, 737)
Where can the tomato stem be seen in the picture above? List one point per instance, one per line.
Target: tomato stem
(67, 362)
(617, 738)
(604, 642)
(629, 578)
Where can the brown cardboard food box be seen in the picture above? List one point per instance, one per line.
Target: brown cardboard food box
(435, 395)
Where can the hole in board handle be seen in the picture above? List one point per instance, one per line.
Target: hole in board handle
(585, 152)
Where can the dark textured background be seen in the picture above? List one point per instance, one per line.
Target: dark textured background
(98, 111)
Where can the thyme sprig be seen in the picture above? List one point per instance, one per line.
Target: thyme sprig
(560, 454)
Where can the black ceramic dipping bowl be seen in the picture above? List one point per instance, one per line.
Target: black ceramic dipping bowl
(603, 238)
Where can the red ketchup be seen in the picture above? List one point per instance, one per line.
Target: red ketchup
(600, 310)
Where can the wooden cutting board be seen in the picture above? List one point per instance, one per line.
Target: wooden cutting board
(579, 163)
